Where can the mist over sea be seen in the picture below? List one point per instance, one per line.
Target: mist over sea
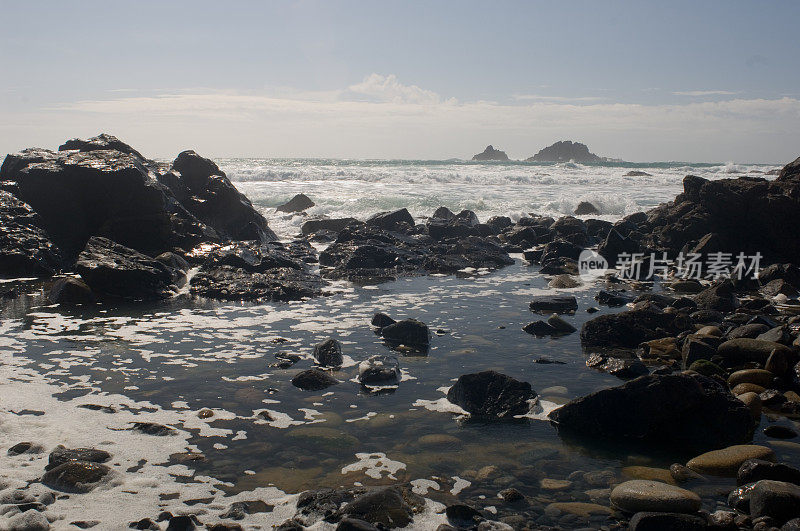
(359, 188)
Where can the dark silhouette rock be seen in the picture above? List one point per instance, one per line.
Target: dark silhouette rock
(103, 141)
(71, 291)
(629, 329)
(585, 208)
(298, 203)
(491, 394)
(637, 173)
(383, 370)
(490, 153)
(398, 220)
(565, 151)
(408, 332)
(117, 272)
(75, 476)
(550, 304)
(460, 225)
(686, 411)
(26, 249)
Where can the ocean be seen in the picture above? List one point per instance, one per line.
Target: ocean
(81, 378)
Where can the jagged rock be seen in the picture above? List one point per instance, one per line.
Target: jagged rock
(398, 220)
(257, 271)
(686, 411)
(460, 225)
(625, 368)
(491, 394)
(382, 320)
(298, 203)
(776, 499)
(616, 245)
(61, 455)
(490, 153)
(79, 194)
(565, 151)
(103, 141)
(557, 304)
(313, 380)
(629, 329)
(754, 470)
(26, 249)
(117, 272)
(332, 226)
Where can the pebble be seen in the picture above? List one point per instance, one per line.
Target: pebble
(726, 462)
(641, 495)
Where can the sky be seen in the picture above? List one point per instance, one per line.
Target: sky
(714, 81)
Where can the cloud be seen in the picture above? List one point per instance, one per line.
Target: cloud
(378, 88)
(704, 93)
(382, 117)
(538, 97)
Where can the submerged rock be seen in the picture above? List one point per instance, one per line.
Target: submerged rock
(117, 272)
(314, 380)
(557, 304)
(61, 455)
(381, 370)
(75, 476)
(71, 291)
(491, 394)
(328, 353)
(686, 411)
(383, 506)
(584, 208)
(726, 461)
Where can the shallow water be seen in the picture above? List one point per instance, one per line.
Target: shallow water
(164, 363)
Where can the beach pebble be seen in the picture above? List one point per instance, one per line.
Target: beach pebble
(726, 462)
(642, 495)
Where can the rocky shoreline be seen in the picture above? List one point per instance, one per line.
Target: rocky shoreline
(703, 360)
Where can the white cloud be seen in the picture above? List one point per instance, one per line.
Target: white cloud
(394, 120)
(538, 97)
(704, 93)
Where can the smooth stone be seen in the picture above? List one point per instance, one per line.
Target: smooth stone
(440, 441)
(555, 484)
(726, 462)
(313, 380)
(642, 495)
(650, 473)
(753, 403)
(582, 509)
(776, 499)
(752, 376)
(709, 330)
(560, 325)
(324, 437)
(683, 474)
(743, 388)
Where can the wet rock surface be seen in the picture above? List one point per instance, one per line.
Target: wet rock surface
(491, 394)
(25, 246)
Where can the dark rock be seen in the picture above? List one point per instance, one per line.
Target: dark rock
(522, 235)
(611, 298)
(215, 201)
(776, 499)
(550, 304)
(719, 297)
(560, 326)
(787, 272)
(684, 411)
(779, 432)
(61, 455)
(568, 225)
(298, 203)
(354, 524)
(499, 223)
(560, 249)
(585, 208)
(616, 245)
(460, 225)
(257, 271)
(392, 221)
(539, 329)
(313, 226)
(629, 329)
(736, 352)
(739, 498)
(625, 368)
(384, 506)
(328, 353)
(381, 370)
(26, 249)
(756, 469)
(491, 394)
(75, 476)
(23, 448)
(408, 332)
(116, 272)
(382, 320)
(463, 515)
(565, 151)
(67, 189)
(779, 287)
(181, 523)
(490, 153)
(747, 330)
(667, 522)
(697, 348)
(313, 380)
(103, 141)
(152, 428)
(71, 291)
(637, 173)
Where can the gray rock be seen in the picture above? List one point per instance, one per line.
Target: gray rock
(313, 380)
(328, 353)
(75, 476)
(298, 203)
(384, 370)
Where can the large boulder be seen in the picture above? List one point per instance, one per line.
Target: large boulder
(565, 151)
(298, 203)
(79, 194)
(26, 249)
(491, 394)
(117, 272)
(460, 225)
(747, 215)
(688, 412)
(408, 332)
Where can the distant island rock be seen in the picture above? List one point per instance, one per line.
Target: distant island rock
(637, 173)
(565, 151)
(491, 153)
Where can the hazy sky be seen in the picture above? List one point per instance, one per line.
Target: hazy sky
(639, 80)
